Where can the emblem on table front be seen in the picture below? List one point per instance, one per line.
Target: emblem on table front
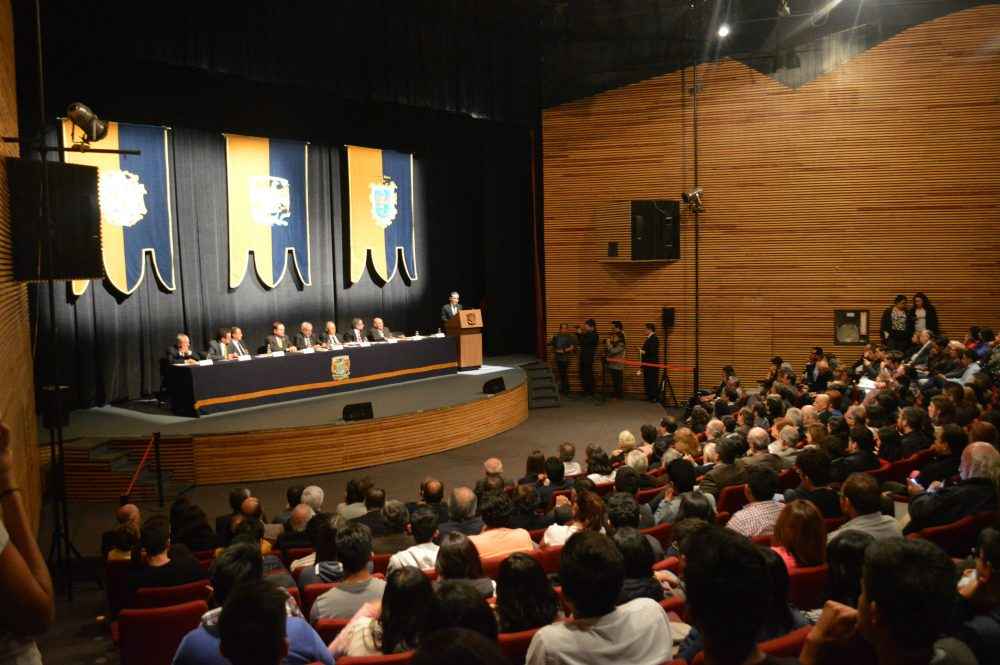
(340, 367)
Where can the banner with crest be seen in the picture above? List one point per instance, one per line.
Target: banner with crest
(268, 208)
(135, 201)
(380, 184)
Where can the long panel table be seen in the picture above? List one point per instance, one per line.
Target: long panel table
(234, 384)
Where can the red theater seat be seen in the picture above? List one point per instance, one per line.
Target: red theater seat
(165, 596)
(807, 587)
(151, 636)
(661, 532)
(515, 645)
(391, 659)
(732, 498)
(788, 479)
(328, 629)
(648, 494)
(292, 553)
(881, 474)
(380, 563)
(311, 592)
(958, 538)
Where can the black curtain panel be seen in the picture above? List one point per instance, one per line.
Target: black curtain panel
(472, 234)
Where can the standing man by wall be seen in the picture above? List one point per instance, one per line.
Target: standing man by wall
(588, 348)
(651, 354)
(562, 346)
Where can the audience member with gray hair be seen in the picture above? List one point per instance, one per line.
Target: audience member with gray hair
(295, 534)
(758, 454)
(462, 507)
(714, 430)
(973, 493)
(785, 446)
(313, 496)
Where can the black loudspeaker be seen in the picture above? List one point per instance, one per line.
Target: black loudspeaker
(362, 411)
(656, 230)
(668, 317)
(494, 386)
(612, 249)
(55, 406)
(75, 246)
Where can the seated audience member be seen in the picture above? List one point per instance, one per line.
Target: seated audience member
(190, 527)
(682, 479)
(462, 506)
(354, 500)
(395, 537)
(432, 495)
(907, 600)
(458, 605)
(800, 535)
(913, 427)
(638, 559)
(223, 522)
(623, 512)
(588, 515)
(813, 467)
(123, 541)
(458, 646)
(648, 435)
(599, 469)
(313, 497)
(294, 497)
(627, 480)
(626, 444)
(979, 605)
(948, 448)
(758, 455)
(556, 481)
(492, 471)
(698, 505)
(759, 516)
(354, 549)
(181, 352)
(786, 446)
(160, 569)
(837, 435)
(252, 626)
(252, 509)
(313, 530)
(525, 598)
(567, 451)
(458, 560)
(373, 519)
(727, 576)
(861, 503)
(592, 572)
(685, 443)
(780, 617)
(252, 531)
(525, 512)
(325, 567)
(845, 557)
(498, 539)
(726, 472)
(240, 565)
(392, 626)
(973, 493)
(888, 443)
(664, 438)
(983, 430)
(860, 455)
(637, 460)
(127, 514)
(295, 534)
(423, 554)
(534, 469)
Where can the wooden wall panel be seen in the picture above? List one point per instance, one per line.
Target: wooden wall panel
(882, 177)
(17, 389)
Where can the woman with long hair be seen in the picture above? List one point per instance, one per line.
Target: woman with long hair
(534, 469)
(599, 468)
(588, 514)
(924, 314)
(458, 559)
(392, 625)
(800, 535)
(525, 599)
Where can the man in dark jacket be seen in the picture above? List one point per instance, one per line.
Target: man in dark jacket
(588, 348)
(973, 493)
(947, 456)
(979, 606)
(726, 472)
(860, 455)
(373, 519)
(813, 467)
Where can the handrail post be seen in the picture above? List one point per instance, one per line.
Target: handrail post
(159, 467)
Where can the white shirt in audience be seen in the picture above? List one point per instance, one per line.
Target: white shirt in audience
(557, 534)
(422, 556)
(572, 468)
(636, 633)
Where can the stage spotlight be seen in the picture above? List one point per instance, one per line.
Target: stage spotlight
(693, 199)
(93, 128)
(784, 8)
(723, 31)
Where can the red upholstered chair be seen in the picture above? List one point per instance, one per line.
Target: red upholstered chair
(566, 493)
(548, 558)
(515, 645)
(391, 659)
(648, 494)
(328, 629)
(881, 474)
(787, 646)
(807, 587)
(834, 523)
(658, 471)
(164, 596)
(311, 592)
(603, 489)
(296, 596)
(201, 555)
(491, 565)
(673, 604)
(380, 563)
(788, 479)
(722, 518)
(430, 573)
(732, 498)
(661, 532)
(901, 469)
(671, 563)
(116, 576)
(293, 553)
(151, 636)
(536, 534)
(957, 538)
(764, 540)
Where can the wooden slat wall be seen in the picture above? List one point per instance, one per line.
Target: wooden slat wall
(882, 177)
(17, 392)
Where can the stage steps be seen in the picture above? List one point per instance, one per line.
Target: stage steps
(543, 393)
(99, 471)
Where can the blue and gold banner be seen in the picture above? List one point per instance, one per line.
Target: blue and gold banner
(268, 207)
(135, 201)
(380, 183)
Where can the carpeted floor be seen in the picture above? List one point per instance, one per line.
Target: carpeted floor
(78, 638)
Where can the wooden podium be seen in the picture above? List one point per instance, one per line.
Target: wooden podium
(467, 326)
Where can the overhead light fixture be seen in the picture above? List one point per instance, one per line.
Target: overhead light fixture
(724, 31)
(93, 128)
(784, 8)
(693, 199)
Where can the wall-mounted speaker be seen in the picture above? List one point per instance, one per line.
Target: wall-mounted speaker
(360, 411)
(668, 317)
(656, 230)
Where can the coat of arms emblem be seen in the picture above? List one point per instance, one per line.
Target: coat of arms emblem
(384, 200)
(270, 200)
(340, 367)
(122, 197)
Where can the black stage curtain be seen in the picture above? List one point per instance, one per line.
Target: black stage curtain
(473, 234)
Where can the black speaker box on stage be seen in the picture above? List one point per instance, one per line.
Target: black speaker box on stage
(668, 317)
(656, 230)
(494, 386)
(361, 411)
(75, 244)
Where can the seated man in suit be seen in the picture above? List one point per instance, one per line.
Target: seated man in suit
(973, 493)
(451, 309)
(860, 455)
(395, 538)
(356, 333)
(236, 345)
(305, 338)
(432, 496)
(218, 348)
(462, 509)
(759, 441)
(373, 519)
(378, 332)
(223, 523)
(295, 534)
(329, 336)
(726, 472)
(181, 352)
(277, 341)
